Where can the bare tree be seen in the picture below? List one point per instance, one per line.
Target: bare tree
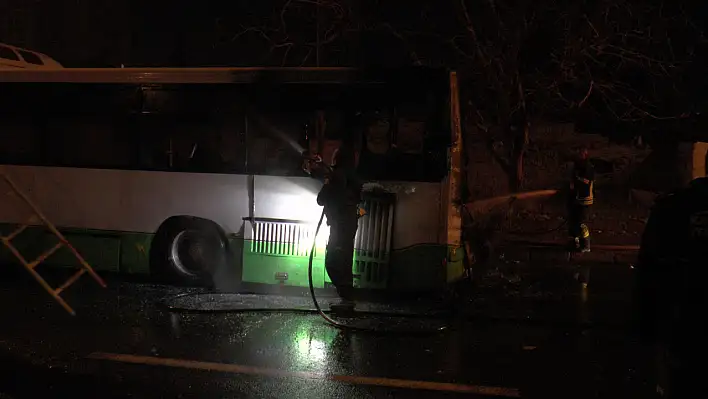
(293, 32)
(623, 55)
(318, 32)
(524, 61)
(531, 61)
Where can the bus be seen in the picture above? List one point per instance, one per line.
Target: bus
(12, 57)
(195, 175)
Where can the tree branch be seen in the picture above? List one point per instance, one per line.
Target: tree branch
(411, 51)
(587, 95)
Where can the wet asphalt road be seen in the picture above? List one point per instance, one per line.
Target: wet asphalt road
(124, 342)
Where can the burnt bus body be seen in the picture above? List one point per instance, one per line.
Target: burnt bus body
(195, 175)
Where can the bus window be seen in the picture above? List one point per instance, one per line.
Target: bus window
(274, 145)
(410, 132)
(377, 136)
(231, 145)
(160, 101)
(93, 143)
(8, 54)
(152, 142)
(196, 147)
(366, 113)
(235, 128)
(335, 124)
(30, 58)
(21, 143)
(408, 143)
(211, 143)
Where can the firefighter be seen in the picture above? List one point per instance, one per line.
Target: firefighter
(340, 196)
(670, 289)
(581, 197)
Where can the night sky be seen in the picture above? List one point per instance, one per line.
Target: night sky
(104, 33)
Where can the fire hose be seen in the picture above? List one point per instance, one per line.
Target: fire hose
(318, 160)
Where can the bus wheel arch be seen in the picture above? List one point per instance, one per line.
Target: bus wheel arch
(189, 250)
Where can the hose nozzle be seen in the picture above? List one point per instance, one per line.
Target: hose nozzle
(313, 163)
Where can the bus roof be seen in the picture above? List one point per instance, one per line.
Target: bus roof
(220, 75)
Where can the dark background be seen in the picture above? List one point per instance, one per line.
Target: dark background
(599, 63)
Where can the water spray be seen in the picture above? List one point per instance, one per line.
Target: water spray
(280, 133)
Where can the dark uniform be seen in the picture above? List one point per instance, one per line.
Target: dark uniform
(581, 197)
(670, 283)
(340, 197)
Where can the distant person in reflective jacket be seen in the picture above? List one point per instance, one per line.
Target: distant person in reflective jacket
(581, 197)
(340, 196)
(670, 289)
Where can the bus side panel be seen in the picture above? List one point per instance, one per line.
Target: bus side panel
(278, 242)
(120, 200)
(102, 249)
(135, 253)
(287, 198)
(417, 260)
(113, 251)
(111, 215)
(416, 257)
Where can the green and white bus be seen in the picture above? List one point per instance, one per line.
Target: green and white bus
(194, 175)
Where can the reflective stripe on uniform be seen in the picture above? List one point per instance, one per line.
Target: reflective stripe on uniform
(585, 231)
(586, 200)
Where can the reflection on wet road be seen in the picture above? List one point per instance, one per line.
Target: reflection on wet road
(124, 344)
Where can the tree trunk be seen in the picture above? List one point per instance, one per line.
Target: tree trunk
(520, 144)
(521, 137)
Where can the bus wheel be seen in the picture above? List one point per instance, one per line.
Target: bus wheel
(189, 250)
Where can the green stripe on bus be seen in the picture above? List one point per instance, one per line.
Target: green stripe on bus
(104, 250)
(416, 268)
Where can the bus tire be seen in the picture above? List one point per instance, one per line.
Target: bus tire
(188, 250)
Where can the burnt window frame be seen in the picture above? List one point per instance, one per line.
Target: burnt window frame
(8, 50)
(236, 99)
(33, 59)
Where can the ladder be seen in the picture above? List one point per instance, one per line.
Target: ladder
(63, 242)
